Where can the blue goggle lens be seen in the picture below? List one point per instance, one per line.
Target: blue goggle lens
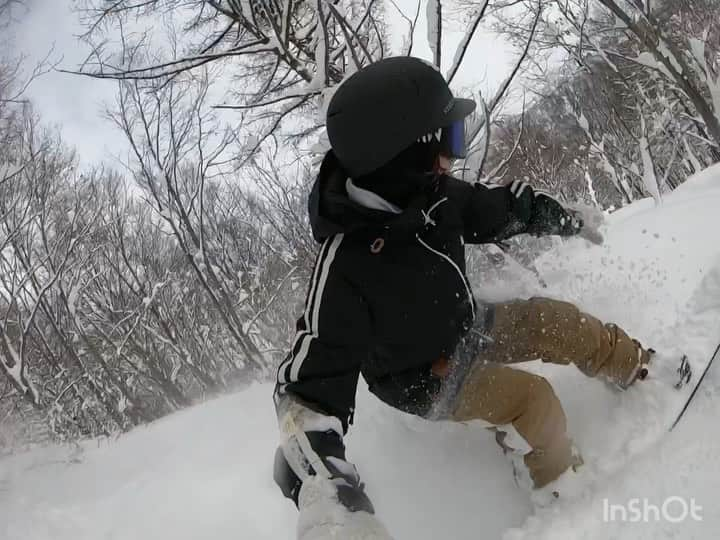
(453, 139)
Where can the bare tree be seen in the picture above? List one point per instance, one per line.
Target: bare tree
(479, 129)
(648, 37)
(177, 149)
(694, 76)
(7, 8)
(640, 134)
(284, 54)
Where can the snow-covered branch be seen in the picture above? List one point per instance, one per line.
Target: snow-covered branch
(464, 44)
(434, 30)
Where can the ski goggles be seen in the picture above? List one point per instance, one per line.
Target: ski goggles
(453, 140)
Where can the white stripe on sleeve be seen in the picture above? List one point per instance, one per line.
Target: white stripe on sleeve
(313, 329)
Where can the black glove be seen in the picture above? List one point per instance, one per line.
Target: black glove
(550, 217)
(539, 214)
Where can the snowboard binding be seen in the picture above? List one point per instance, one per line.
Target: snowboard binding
(684, 371)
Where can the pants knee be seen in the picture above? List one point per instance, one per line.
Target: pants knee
(551, 309)
(546, 418)
(542, 393)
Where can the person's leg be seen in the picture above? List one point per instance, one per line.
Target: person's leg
(558, 332)
(505, 396)
(553, 331)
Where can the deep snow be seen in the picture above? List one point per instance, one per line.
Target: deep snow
(206, 472)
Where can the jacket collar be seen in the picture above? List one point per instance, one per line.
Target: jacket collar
(369, 199)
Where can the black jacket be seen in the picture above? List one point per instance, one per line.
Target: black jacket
(388, 297)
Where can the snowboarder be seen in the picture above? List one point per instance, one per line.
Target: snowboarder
(389, 298)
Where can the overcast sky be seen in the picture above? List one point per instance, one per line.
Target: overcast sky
(72, 103)
(75, 104)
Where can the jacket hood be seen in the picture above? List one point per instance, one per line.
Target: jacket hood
(333, 212)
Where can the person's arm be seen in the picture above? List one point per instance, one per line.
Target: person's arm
(315, 399)
(492, 213)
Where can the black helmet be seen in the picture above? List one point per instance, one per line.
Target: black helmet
(386, 107)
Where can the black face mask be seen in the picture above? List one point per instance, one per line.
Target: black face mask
(407, 176)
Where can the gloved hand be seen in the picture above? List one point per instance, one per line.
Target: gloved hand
(326, 512)
(593, 218)
(550, 217)
(539, 214)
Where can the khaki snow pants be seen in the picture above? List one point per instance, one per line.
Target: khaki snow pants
(553, 331)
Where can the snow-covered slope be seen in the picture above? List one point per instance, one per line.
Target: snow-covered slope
(206, 472)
